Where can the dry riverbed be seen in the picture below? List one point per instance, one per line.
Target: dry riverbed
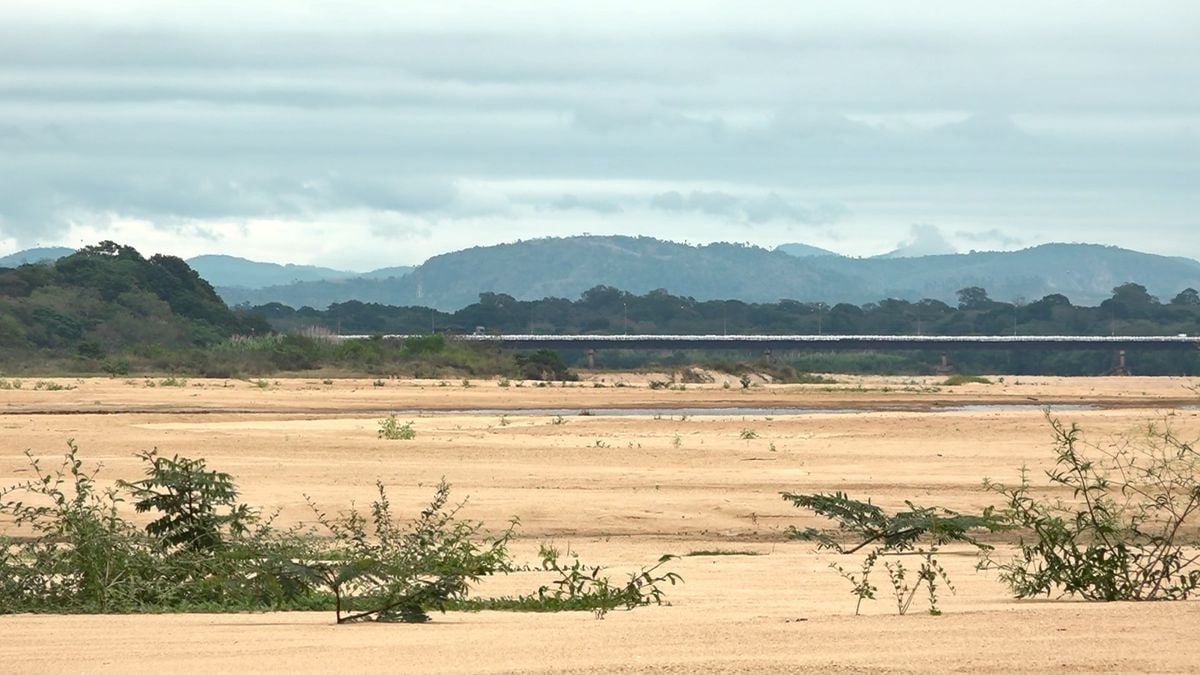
(647, 472)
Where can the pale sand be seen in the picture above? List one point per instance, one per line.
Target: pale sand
(619, 491)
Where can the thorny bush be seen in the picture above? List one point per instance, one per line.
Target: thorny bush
(1127, 533)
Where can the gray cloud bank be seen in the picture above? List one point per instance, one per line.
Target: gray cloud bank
(1000, 126)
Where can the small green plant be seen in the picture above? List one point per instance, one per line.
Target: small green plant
(659, 384)
(748, 434)
(378, 383)
(582, 587)
(391, 429)
(466, 383)
(326, 382)
(261, 384)
(172, 381)
(1129, 532)
(717, 552)
(10, 384)
(504, 382)
(677, 442)
(504, 421)
(601, 444)
(558, 420)
(920, 530)
(745, 381)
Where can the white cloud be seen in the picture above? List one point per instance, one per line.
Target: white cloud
(443, 125)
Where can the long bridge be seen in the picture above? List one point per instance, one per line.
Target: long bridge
(769, 343)
(823, 342)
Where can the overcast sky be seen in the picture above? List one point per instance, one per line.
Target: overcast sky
(368, 134)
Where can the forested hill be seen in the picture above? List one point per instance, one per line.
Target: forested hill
(569, 266)
(109, 298)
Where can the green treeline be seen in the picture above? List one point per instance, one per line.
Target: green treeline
(107, 309)
(605, 310)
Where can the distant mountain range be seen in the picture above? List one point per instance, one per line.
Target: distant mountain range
(803, 250)
(34, 255)
(566, 267)
(230, 271)
(227, 270)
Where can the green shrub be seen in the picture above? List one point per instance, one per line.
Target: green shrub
(198, 508)
(543, 364)
(1129, 532)
(115, 367)
(379, 570)
(206, 552)
(81, 555)
(391, 429)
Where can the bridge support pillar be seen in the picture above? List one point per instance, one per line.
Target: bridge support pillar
(943, 367)
(591, 354)
(1119, 365)
(767, 356)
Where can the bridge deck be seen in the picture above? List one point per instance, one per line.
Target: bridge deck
(825, 342)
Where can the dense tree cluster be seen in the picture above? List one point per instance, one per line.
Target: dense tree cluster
(605, 310)
(108, 298)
